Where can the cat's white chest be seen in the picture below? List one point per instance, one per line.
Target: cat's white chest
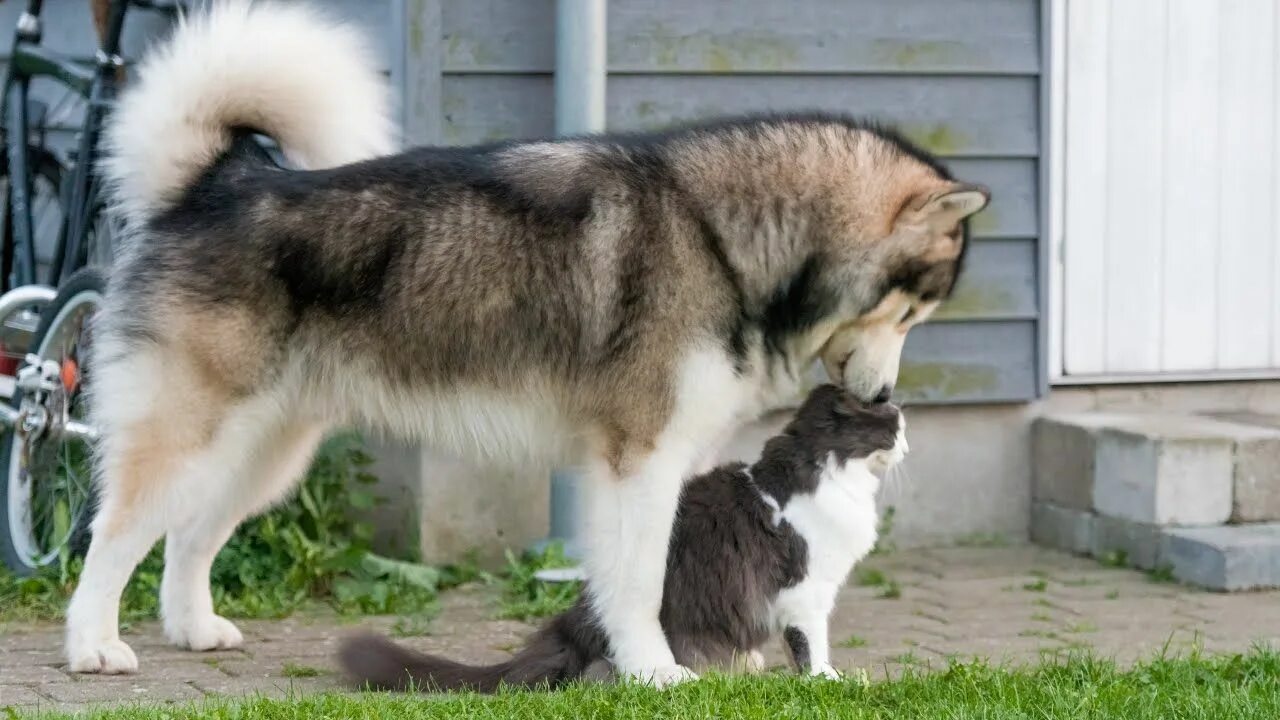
(838, 521)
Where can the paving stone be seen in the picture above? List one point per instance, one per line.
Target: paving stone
(14, 638)
(975, 562)
(1230, 557)
(46, 656)
(19, 696)
(1061, 527)
(32, 674)
(995, 648)
(1124, 607)
(279, 668)
(271, 688)
(293, 651)
(138, 689)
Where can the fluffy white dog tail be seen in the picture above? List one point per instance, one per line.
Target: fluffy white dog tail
(280, 69)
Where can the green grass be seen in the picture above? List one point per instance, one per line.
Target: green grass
(869, 577)
(1080, 582)
(983, 540)
(890, 589)
(413, 626)
(1236, 687)
(310, 551)
(1115, 559)
(1036, 586)
(852, 642)
(525, 597)
(292, 670)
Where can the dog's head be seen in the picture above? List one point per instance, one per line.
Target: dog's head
(894, 242)
(917, 263)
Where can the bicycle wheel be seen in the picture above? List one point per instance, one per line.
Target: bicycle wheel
(45, 466)
(47, 210)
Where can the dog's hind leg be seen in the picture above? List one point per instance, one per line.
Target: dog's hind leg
(276, 459)
(145, 448)
(125, 528)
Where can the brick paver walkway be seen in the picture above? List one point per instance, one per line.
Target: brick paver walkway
(1007, 604)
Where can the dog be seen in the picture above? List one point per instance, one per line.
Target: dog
(617, 304)
(756, 551)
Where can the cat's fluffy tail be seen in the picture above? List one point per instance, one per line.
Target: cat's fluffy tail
(559, 653)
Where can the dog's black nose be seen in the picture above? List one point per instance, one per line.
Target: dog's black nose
(883, 395)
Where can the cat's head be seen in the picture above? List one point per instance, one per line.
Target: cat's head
(833, 425)
(831, 432)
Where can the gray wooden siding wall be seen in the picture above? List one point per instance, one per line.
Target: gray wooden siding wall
(961, 77)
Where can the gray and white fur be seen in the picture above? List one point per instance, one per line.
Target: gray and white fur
(756, 552)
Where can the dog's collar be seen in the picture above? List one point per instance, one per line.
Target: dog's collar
(766, 498)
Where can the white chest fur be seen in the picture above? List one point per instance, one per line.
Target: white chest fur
(838, 524)
(838, 521)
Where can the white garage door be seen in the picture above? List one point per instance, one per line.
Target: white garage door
(1170, 187)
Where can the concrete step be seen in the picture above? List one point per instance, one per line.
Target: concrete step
(1257, 472)
(1199, 495)
(1222, 557)
(1158, 470)
(1230, 557)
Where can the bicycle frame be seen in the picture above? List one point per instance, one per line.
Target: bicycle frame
(98, 84)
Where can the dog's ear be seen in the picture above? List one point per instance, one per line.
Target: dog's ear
(943, 210)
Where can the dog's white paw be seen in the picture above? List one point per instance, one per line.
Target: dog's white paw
(109, 657)
(662, 677)
(825, 670)
(211, 632)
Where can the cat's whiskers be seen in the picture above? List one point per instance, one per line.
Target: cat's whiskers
(896, 478)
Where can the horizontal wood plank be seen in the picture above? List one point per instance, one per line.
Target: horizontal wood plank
(670, 36)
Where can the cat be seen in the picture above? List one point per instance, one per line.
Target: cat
(756, 550)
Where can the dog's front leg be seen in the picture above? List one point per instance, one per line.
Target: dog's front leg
(628, 527)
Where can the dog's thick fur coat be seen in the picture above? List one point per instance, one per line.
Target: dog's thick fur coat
(618, 303)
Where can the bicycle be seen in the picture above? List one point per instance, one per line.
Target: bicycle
(46, 312)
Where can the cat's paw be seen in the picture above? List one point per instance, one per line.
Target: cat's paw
(826, 671)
